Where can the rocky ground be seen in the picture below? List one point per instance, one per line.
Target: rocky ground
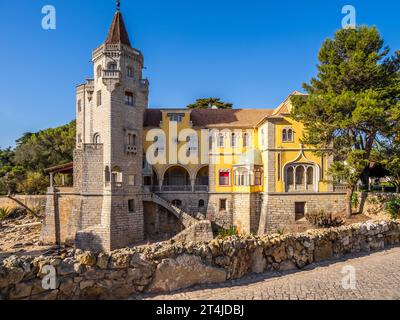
(20, 236)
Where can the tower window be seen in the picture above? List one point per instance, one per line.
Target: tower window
(96, 138)
(79, 105)
(131, 205)
(99, 71)
(129, 72)
(201, 203)
(99, 98)
(112, 66)
(129, 99)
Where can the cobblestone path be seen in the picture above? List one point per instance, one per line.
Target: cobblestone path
(377, 277)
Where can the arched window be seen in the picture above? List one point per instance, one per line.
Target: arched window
(233, 140)
(156, 152)
(116, 175)
(221, 140)
(96, 138)
(107, 176)
(201, 203)
(246, 140)
(284, 135)
(300, 175)
(287, 135)
(290, 176)
(99, 71)
(290, 135)
(112, 66)
(310, 175)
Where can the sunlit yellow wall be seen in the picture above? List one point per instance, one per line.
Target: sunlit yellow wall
(291, 151)
(165, 126)
(288, 151)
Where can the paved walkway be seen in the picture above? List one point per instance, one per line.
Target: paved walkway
(377, 277)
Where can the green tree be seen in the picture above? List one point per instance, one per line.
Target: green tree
(50, 147)
(352, 103)
(208, 103)
(388, 155)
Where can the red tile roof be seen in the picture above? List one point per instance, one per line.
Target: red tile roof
(214, 118)
(118, 33)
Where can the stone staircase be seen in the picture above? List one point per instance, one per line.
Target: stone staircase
(186, 219)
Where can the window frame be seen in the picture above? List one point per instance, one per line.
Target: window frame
(228, 175)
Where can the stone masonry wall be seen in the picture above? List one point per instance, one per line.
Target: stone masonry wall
(126, 272)
(278, 210)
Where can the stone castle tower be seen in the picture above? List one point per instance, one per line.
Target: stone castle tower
(108, 161)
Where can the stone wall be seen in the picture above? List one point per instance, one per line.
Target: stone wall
(278, 210)
(171, 266)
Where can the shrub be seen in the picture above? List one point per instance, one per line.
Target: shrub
(224, 233)
(4, 213)
(393, 207)
(322, 219)
(17, 213)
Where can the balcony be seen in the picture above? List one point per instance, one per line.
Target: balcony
(177, 188)
(111, 74)
(198, 188)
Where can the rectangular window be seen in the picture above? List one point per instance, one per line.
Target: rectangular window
(279, 167)
(234, 140)
(129, 72)
(176, 117)
(299, 210)
(132, 180)
(258, 178)
(131, 205)
(79, 105)
(221, 140)
(99, 98)
(224, 178)
(222, 204)
(246, 140)
(129, 100)
(322, 167)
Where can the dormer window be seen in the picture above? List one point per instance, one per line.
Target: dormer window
(176, 117)
(287, 135)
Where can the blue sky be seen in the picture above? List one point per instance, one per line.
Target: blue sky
(252, 53)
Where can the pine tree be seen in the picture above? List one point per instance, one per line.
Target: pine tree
(352, 103)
